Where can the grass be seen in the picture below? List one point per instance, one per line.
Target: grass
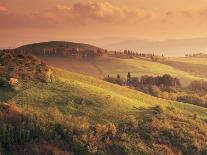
(139, 67)
(193, 66)
(101, 67)
(83, 95)
(137, 99)
(191, 60)
(100, 102)
(74, 65)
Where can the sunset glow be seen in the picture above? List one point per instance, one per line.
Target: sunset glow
(24, 21)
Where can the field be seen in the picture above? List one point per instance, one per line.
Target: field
(101, 67)
(42, 117)
(75, 87)
(53, 111)
(74, 65)
(191, 60)
(194, 66)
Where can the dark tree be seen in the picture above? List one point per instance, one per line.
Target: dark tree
(128, 77)
(118, 76)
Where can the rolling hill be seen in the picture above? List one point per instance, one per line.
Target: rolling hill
(58, 44)
(83, 115)
(102, 67)
(54, 111)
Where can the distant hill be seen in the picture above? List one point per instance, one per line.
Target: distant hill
(62, 48)
(171, 47)
(58, 44)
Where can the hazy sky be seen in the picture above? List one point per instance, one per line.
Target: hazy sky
(100, 21)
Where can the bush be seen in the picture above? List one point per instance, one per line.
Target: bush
(168, 96)
(135, 81)
(198, 86)
(154, 91)
(194, 99)
(114, 80)
(3, 82)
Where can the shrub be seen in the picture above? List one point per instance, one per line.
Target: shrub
(198, 86)
(3, 82)
(164, 95)
(194, 99)
(114, 80)
(103, 135)
(135, 81)
(168, 96)
(154, 90)
(133, 122)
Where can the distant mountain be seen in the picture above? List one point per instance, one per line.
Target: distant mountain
(172, 47)
(58, 44)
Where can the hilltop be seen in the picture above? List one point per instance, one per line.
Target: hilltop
(58, 44)
(61, 48)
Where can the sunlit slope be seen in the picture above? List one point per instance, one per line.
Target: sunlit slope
(101, 67)
(98, 100)
(193, 66)
(74, 65)
(139, 67)
(121, 98)
(74, 99)
(191, 60)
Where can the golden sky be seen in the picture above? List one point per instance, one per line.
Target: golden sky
(25, 21)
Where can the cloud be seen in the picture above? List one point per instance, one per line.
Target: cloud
(80, 13)
(3, 8)
(103, 12)
(94, 14)
(11, 19)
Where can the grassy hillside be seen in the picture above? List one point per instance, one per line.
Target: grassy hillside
(192, 65)
(75, 65)
(84, 115)
(59, 44)
(101, 67)
(191, 60)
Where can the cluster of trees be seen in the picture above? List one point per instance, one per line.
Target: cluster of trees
(193, 99)
(199, 86)
(160, 86)
(15, 67)
(197, 55)
(197, 93)
(166, 87)
(150, 56)
(163, 82)
(78, 52)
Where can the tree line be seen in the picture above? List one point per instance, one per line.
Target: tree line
(74, 52)
(166, 87)
(164, 81)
